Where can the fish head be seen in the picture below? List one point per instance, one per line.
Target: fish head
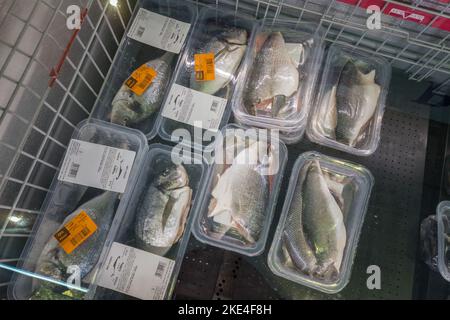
(172, 178)
(235, 36)
(123, 113)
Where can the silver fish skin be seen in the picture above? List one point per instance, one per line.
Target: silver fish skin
(357, 98)
(161, 218)
(327, 118)
(274, 78)
(323, 223)
(294, 239)
(240, 202)
(229, 49)
(54, 261)
(129, 109)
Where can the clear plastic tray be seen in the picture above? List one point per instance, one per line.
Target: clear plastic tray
(155, 162)
(65, 198)
(210, 24)
(325, 132)
(443, 222)
(132, 54)
(356, 193)
(305, 43)
(206, 229)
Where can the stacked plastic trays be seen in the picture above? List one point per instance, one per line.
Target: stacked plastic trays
(206, 78)
(81, 214)
(278, 83)
(143, 68)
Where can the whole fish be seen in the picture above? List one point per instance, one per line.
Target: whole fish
(228, 48)
(162, 216)
(54, 261)
(274, 78)
(356, 101)
(323, 223)
(129, 109)
(294, 239)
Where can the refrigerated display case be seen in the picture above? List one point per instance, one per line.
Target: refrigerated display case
(51, 77)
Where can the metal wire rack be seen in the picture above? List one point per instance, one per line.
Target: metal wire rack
(50, 78)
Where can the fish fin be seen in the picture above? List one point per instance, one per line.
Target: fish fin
(368, 78)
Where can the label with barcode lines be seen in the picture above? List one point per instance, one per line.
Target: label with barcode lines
(159, 31)
(97, 166)
(76, 232)
(141, 79)
(74, 170)
(194, 108)
(204, 67)
(137, 273)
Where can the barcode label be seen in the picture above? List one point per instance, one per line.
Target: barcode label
(137, 273)
(194, 108)
(140, 31)
(77, 230)
(146, 82)
(80, 236)
(210, 66)
(159, 31)
(214, 106)
(97, 166)
(160, 269)
(73, 172)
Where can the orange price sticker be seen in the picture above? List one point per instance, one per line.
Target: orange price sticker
(77, 231)
(204, 67)
(141, 79)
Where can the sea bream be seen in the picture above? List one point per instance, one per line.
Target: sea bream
(54, 261)
(356, 102)
(129, 108)
(162, 215)
(229, 49)
(273, 80)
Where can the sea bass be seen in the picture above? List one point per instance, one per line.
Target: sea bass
(129, 109)
(323, 223)
(294, 239)
(356, 101)
(54, 261)
(228, 48)
(239, 202)
(162, 216)
(273, 80)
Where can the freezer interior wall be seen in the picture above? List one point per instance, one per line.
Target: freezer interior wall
(38, 114)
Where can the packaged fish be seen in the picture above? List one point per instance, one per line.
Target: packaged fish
(242, 190)
(443, 238)
(134, 90)
(275, 88)
(89, 195)
(316, 239)
(200, 95)
(153, 235)
(351, 101)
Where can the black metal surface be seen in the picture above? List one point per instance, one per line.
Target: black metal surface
(390, 236)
